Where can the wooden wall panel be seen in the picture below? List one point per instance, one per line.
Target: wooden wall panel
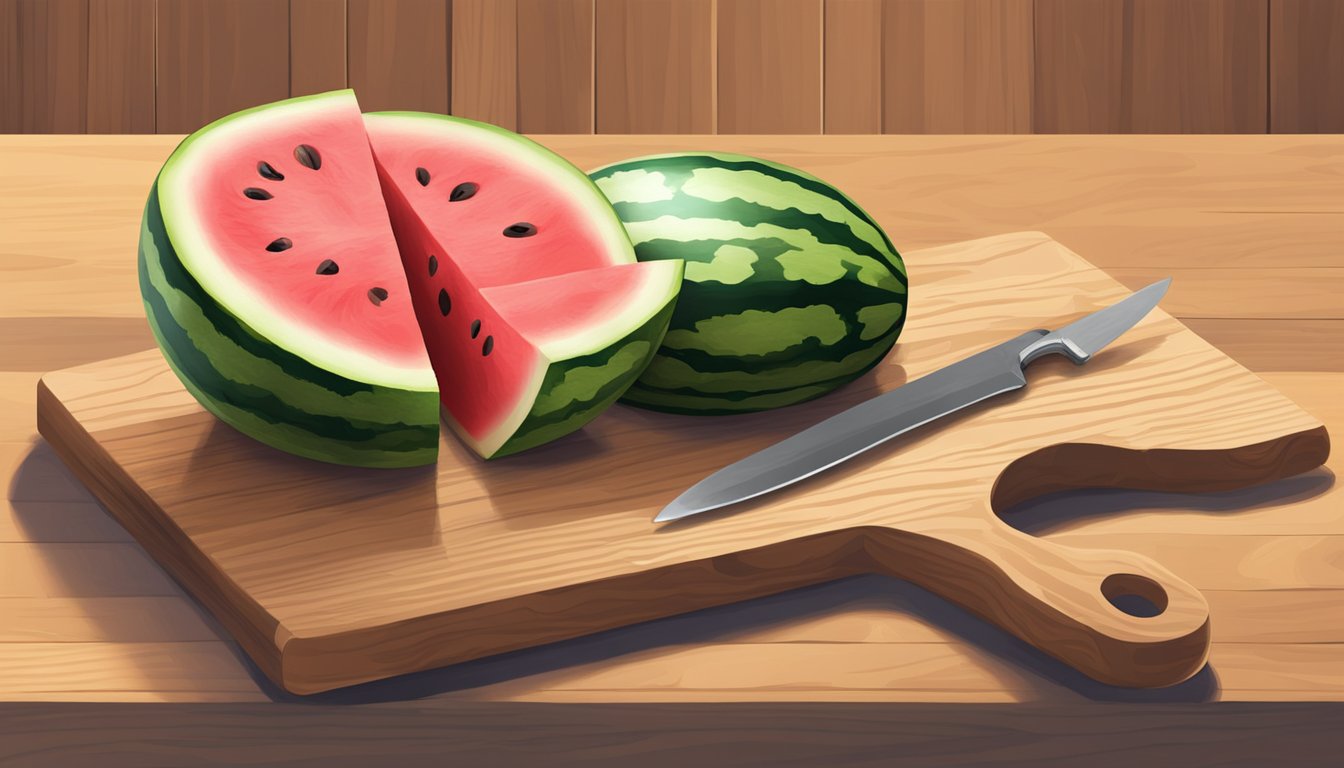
(1080, 67)
(769, 54)
(317, 40)
(957, 66)
(121, 66)
(654, 66)
(215, 58)
(1151, 66)
(44, 80)
(398, 53)
(485, 61)
(555, 66)
(853, 66)
(1306, 66)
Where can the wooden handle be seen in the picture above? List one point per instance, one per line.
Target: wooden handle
(1078, 605)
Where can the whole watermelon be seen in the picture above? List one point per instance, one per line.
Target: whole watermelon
(790, 288)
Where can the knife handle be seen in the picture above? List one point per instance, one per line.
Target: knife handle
(1067, 601)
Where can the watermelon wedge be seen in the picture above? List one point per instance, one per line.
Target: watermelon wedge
(277, 290)
(535, 312)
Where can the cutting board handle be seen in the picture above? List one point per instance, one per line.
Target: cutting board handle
(1075, 604)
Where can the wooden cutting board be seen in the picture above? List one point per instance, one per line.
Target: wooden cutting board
(330, 576)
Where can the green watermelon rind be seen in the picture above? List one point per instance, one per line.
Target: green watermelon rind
(548, 420)
(265, 391)
(188, 230)
(690, 376)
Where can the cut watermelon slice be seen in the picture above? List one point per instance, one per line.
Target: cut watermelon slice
(536, 314)
(275, 287)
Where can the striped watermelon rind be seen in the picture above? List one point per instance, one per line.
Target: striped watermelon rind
(575, 390)
(267, 392)
(791, 288)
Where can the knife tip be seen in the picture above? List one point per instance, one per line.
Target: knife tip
(673, 511)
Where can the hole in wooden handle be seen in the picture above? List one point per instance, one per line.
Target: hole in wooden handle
(1135, 595)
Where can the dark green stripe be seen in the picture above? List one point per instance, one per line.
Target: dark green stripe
(684, 163)
(686, 206)
(228, 325)
(193, 363)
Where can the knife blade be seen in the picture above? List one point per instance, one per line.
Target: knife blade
(981, 376)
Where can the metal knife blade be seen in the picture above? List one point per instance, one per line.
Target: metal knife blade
(981, 376)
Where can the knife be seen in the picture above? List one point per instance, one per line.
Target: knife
(964, 383)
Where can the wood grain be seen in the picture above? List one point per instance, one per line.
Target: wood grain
(654, 66)
(398, 54)
(415, 616)
(1151, 66)
(121, 79)
(317, 42)
(217, 58)
(1207, 202)
(769, 66)
(44, 50)
(485, 61)
(555, 66)
(1306, 66)
(432, 733)
(853, 66)
(957, 66)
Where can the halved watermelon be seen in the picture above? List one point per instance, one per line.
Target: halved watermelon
(535, 313)
(263, 245)
(275, 287)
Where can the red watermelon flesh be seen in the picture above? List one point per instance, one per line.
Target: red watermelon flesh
(301, 226)
(501, 315)
(470, 182)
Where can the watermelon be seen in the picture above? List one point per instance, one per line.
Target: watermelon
(274, 283)
(791, 289)
(536, 314)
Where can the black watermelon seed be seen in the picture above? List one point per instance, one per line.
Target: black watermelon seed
(422, 176)
(308, 156)
(257, 194)
(377, 295)
(463, 191)
(328, 267)
(433, 264)
(521, 229)
(475, 328)
(445, 303)
(488, 345)
(268, 171)
(280, 244)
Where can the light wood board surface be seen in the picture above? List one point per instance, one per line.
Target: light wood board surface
(1215, 205)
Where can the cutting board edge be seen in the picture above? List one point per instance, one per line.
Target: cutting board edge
(255, 629)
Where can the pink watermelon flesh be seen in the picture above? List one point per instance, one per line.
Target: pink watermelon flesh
(469, 190)
(500, 264)
(315, 242)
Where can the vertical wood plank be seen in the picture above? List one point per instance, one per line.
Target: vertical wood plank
(44, 83)
(1306, 66)
(218, 57)
(853, 62)
(1081, 56)
(1200, 66)
(1151, 66)
(121, 66)
(398, 53)
(485, 61)
(769, 60)
(653, 66)
(316, 46)
(957, 66)
(555, 66)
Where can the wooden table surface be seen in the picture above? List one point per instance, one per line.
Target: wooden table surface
(1252, 229)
